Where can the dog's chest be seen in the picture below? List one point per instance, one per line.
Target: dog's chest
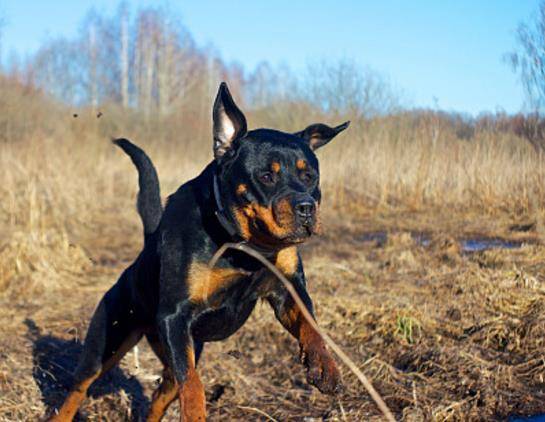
(225, 298)
(207, 285)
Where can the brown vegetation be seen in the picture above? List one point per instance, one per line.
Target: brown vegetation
(442, 334)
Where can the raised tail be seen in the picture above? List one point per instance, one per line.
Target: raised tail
(149, 196)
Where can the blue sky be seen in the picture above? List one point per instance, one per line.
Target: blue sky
(445, 53)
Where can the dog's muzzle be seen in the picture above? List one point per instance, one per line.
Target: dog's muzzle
(305, 212)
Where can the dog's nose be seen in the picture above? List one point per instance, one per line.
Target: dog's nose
(305, 209)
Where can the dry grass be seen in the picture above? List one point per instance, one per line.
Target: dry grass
(442, 335)
(391, 162)
(60, 186)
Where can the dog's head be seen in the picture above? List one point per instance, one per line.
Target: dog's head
(268, 180)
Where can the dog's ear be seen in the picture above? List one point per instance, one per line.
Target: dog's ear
(318, 134)
(229, 122)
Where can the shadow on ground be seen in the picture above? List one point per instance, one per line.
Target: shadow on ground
(54, 362)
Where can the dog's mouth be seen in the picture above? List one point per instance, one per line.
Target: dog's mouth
(301, 235)
(274, 226)
(295, 235)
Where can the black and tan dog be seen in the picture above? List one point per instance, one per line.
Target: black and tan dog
(262, 188)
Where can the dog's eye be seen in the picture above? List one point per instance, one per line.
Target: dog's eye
(306, 177)
(266, 178)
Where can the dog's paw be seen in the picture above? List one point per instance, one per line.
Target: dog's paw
(322, 371)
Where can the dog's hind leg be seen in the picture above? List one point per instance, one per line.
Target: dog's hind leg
(163, 396)
(84, 379)
(111, 334)
(166, 392)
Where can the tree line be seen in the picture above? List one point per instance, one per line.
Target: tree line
(147, 61)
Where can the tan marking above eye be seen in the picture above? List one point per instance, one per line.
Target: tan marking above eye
(275, 166)
(241, 189)
(301, 164)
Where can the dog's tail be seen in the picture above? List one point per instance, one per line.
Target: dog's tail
(149, 196)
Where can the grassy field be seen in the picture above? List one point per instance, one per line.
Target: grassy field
(443, 334)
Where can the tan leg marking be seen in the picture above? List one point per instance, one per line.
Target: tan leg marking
(73, 400)
(162, 397)
(191, 394)
(79, 392)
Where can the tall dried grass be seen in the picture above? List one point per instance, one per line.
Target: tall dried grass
(64, 186)
(389, 162)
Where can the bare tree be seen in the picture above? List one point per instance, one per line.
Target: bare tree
(124, 56)
(149, 63)
(93, 65)
(2, 24)
(59, 69)
(529, 60)
(344, 87)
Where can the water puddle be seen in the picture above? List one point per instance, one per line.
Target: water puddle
(482, 244)
(467, 244)
(538, 418)
(380, 238)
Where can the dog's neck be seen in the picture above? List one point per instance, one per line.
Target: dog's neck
(224, 220)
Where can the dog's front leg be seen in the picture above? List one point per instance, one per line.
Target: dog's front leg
(322, 370)
(174, 319)
(174, 332)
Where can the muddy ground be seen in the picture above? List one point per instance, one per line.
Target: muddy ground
(444, 333)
